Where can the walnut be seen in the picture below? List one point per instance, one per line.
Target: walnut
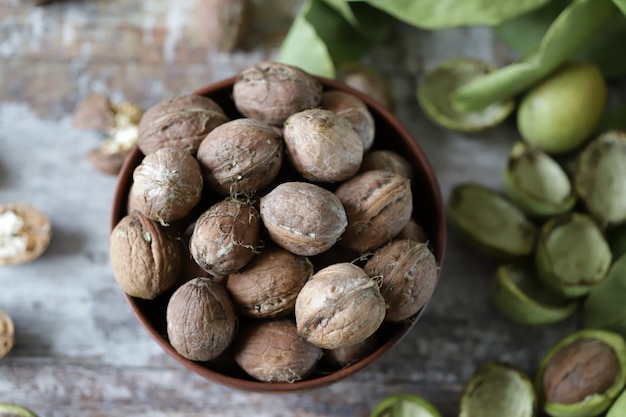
(355, 111)
(25, 233)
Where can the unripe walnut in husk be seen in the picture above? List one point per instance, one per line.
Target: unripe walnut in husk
(303, 218)
(339, 306)
(387, 160)
(182, 122)
(240, 156)
(269, 284)
(354, 110)
(167, 184)
(408, 272)
(145, 259)
(225, 236)
(201, 321)
(378, 205)
(322, 146)
(272, 351)
(271, 92)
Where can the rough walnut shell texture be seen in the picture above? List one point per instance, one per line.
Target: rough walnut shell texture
(322, 146)
(579, 369)
(145, 259)
(384, 159)
(303, 218)
(269, 284)
(409, 274)
(355, 111)
(271, 92)
(378, 205)
(201, 321)
(339, 306)
(272, 351)
(29, 237)
(167, 184)
(240, 156)
(181, 122)
(225, 236)
(222, 24)
(7, 333)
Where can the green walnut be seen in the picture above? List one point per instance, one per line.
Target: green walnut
(405, 405)
(572, 255)
(12, 410)
(519, 295)
(618, 409)
(490, 222)
(536, 183)
(599, 178)
(560, 113)
(582, 374)
(498, 389)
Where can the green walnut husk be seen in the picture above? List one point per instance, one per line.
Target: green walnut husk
(593, 404)
(572, 254)
(491, 223)
(12, 410)
(435, 91)
(405, 405)
(519, 295)
(536, 183)
(618, 409)
(600, 178)
(498, 389)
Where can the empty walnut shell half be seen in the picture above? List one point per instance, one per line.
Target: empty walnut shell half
(25, 233)
(7, 334)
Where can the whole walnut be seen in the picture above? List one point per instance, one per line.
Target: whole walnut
(225, 237)
(378, 205)
(387, 160)
(339, 306)
(182, 122)
(268, 286)
(146, 260)
(167, 184)
(303, 218)
(412, 230)
(240, 156)
(201, 321)
(348, 355)
(355, 111)
(272, 91)
(272, 351)
(322, 146)
(223, 24)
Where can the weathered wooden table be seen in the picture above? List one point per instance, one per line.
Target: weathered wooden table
(79, 351)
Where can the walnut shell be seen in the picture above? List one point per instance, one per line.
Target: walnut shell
(303, 218)
(339, 306)
(94, 112)
(7, 334)
(387, 160)
(181, 122)
(145, 259)
(412, 230)
(322, 146)
(409, 273)
(355, 111)
(268, 286)
(272, 351)
(240, 156)
(348, 355)
(378, 205)
(225, 236)
(25, 233)
(167, 184)
(222, 24)
(201, 321)
(271, 92)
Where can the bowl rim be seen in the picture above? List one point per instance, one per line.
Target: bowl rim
(119, 210)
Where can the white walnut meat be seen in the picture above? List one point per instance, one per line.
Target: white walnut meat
(268, 286)
(303, 218)
(182, 122)
(240, 156)
(201, 321)
(339, 306)
(322, 146)
(167, 184)
(408, 271)
(272, 351)
(271, 92)
(25, 233)
(378, 205)
(355, 111)
(225, 237)
(145, 259)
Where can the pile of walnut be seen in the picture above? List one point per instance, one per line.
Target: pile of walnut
(250, 225)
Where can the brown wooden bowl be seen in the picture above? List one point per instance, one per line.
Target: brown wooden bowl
(428, 212)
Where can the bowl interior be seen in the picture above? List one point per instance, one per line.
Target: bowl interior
(428, 211)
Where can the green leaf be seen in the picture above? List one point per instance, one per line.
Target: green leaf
(574, 26)
(606, 48)
(605, 307)
(436, 14)
(621, 4)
